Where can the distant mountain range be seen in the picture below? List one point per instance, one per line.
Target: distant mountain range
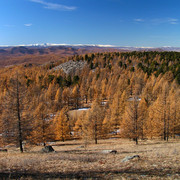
(42, 48)
(41, 53)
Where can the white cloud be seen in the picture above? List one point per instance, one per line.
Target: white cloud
(165, 21)
(54, 6)
(28, 25)
(173, 21)
(139, 20)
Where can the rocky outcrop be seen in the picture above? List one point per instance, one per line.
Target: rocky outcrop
(71, 66)
(109, 151)
(47, 149)
(127, 158)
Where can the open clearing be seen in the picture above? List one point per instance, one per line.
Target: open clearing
(158, 160)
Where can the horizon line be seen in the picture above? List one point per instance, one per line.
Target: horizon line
(92, 45)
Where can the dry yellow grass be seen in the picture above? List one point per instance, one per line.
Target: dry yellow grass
(158, 160)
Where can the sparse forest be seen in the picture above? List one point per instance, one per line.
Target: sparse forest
(133, 95)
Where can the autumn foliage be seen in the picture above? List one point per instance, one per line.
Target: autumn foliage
(134, 95)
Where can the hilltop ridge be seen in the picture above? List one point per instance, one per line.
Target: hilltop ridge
(42, 53)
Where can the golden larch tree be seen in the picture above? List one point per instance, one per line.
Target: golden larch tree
(62, 125)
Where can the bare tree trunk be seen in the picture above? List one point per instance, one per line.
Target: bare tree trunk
(142, 129)
(19, 116)
(167, 130)
(174, 121)
(86, 97)
(62, 133)
(43, 128)
(136, 121)
(136, 139)
(95, 133)
(164, 119)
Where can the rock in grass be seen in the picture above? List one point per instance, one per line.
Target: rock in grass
(3, 150)
(109, 151)
(47, 149)
(127, 158)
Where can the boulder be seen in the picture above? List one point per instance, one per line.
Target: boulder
(3, 150)
(47, 149)
(109, 151)
(127, 158)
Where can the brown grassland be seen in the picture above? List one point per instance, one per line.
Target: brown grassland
(77, 160)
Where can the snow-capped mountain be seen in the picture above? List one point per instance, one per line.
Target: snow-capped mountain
(128, 48)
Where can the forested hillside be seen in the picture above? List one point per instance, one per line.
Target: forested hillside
(133, 95)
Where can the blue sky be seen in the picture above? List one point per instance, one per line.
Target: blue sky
(147, 23)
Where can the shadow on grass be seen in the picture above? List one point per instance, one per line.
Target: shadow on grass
(74, 144)
(134, 152)
(85, 175)
(162, 142)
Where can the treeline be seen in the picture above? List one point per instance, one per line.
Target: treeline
(134, 95)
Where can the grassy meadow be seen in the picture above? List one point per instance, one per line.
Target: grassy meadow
(77, 160)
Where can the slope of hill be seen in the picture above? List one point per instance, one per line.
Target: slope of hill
(44, 53)
(141, 91)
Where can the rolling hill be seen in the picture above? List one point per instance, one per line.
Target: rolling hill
(39, 54)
